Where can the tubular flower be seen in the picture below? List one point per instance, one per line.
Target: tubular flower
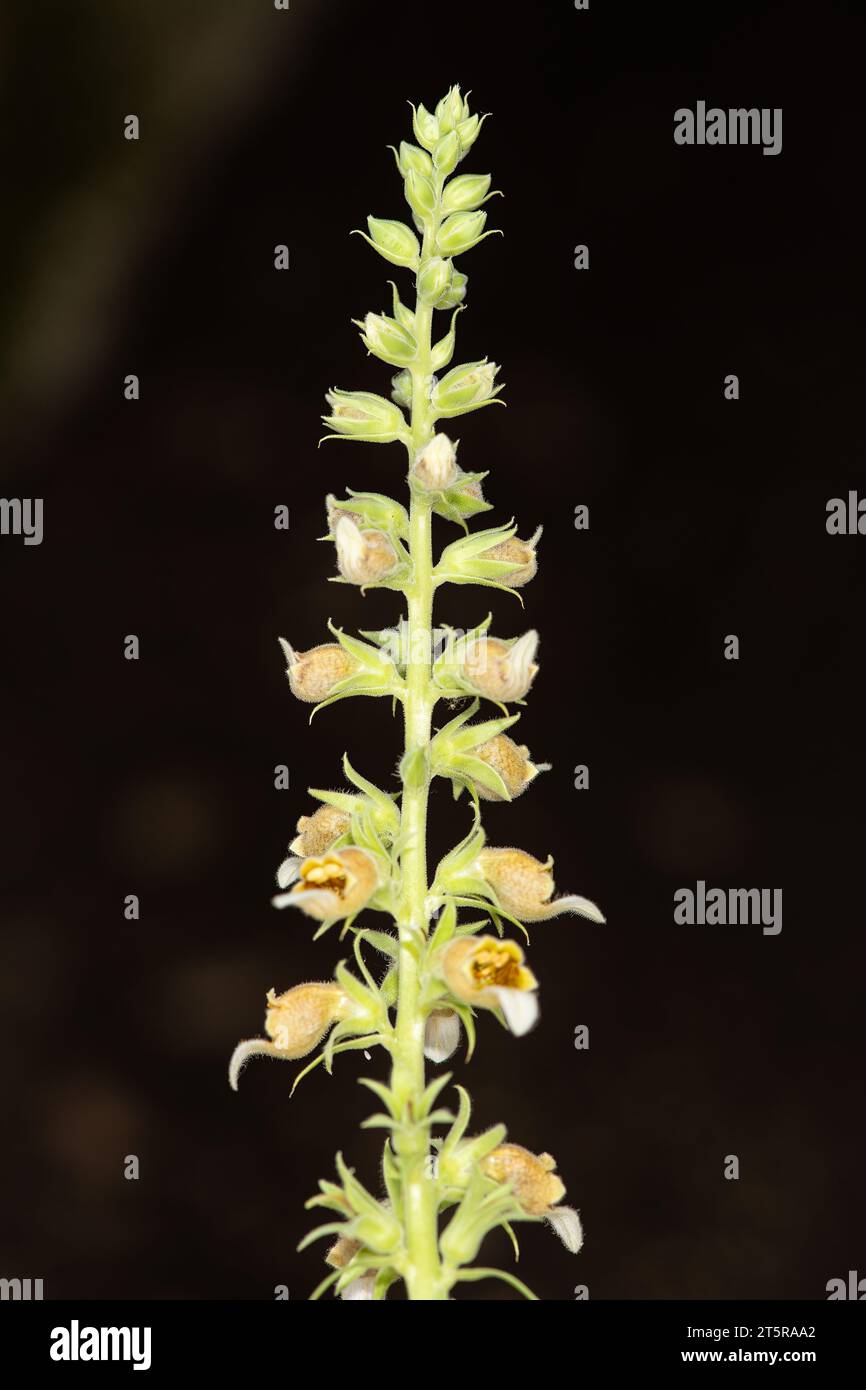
(490, 974)
(436, 465)
(331, 885)
(317, 832)
(295, 1022)
(511, 761)
(524, 887)
(441, 1035)
(536, 1187)
(516, 552)
(500, 670)
(339, 1255)
(313, 674)
(363, 557)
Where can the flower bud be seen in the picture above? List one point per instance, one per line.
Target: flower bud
(316, 833)
(441, 1035)
(447, 153)
(364, 416)
(456, 292)
(410, 158)
(363, 557)
(516, 552)
(401, 389)
(425, 126)
(469, 130)
(434, 279)
(295, 1023)
(451, 110)
(393, 240)
(387, 339)
(512, 763)
(435, 466)
(342, 1251)
(465, 193)
(460, 232)
(490, 974)
(501, 671)
(335, 884)
(465, 388)
(419, 194)
(314, 674)
(524, 886)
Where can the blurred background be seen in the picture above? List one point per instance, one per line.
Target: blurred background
(707, 518)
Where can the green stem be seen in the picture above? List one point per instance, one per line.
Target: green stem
(422, 1270)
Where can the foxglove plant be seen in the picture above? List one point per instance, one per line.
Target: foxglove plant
(364, 850)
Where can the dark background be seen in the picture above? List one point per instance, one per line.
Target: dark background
(707, 518)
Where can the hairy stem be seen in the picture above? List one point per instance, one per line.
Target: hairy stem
(423, 1271)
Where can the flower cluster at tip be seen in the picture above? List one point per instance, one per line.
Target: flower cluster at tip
(346, 857)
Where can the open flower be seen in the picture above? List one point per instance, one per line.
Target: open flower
(490, 974)
(524, 886)
(313, 674)
(436, 465)
(331, 885)
(295, 1022)
(516, 552)
(317, 832)
(536, 1187)
(501, 670)
(511, 761)
(363, 557)
(441, 1035)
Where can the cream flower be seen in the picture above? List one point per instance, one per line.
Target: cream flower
(441, 1035)
(331, 885)
(537, 1188)
(363, 557)
(499, 671)
(524, 887)
(295, 1023)
(436, 465)
(490, 974)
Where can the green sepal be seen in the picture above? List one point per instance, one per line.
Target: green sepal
(444, 350)
(473, 1275)
(402, 314)
(393, 240)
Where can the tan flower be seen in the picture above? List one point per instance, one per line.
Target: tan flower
(516, 552)
(363, 557)
(295, 1022)
(335, 884)
(524, 886)
(317, 832)
(511, 761)
(313, 674)
(490, 974)
(536, 1187)
(499, 670)
(342, 1251)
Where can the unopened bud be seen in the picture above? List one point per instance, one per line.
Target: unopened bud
(460, 232)
(435, 467)
(387, 339)
(426, 127)
(420, 194)
(465, 193)
(465, 388)
(434, 279)
(410, 158)
(500, 670)
(515, 552)
(363, 557)
(393, 240)
(401, 389)
(313, 674)
(447, 153)
(364, 415)
(451, 110)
